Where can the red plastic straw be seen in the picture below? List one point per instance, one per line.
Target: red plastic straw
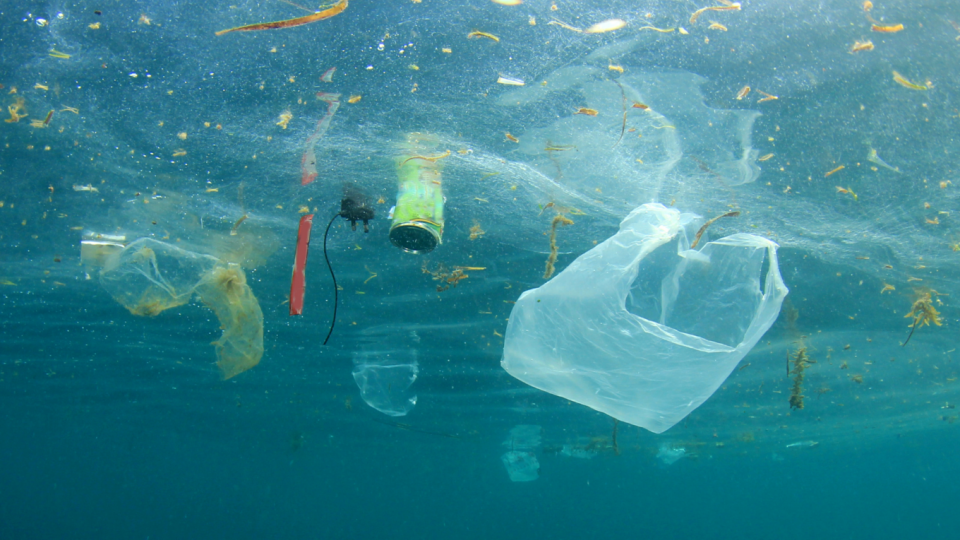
(299, 264)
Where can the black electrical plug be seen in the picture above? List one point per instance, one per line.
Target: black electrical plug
(353, 208)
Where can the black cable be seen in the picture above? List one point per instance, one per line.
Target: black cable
(335, 288)
(910, 335)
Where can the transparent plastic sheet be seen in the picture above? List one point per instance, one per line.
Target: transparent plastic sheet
(641, 327)
(148, 277)
(202, 224)
(225, 291)
(384, 379)
(521, 465)
(668, 454)
(520, 460)
(649, 126)
(524, 437)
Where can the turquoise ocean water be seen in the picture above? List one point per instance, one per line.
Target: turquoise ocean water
(115, 421)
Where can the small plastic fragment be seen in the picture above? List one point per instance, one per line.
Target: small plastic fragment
(509, 81)
(608, 25)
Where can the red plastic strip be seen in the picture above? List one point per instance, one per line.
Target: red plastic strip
(299, 264)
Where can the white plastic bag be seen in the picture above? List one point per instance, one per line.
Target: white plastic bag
(644, 334)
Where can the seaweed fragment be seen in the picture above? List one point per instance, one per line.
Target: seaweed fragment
(800, 362)
(623, 98)
(703, 229)
(331, 11)
(558, 220)
(446, 277)
(923, 312)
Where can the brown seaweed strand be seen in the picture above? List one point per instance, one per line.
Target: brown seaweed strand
(336, 9)
(696, 239)
(623, 128)
(560, 219)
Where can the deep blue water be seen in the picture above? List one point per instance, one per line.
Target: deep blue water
(114, 425)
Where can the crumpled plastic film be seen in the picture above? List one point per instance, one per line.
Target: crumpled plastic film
(384, 378)
(641, 327)
(224, 290)
(521, 465)
(687, 148)
(148, 277)
(668, 454)
(520, 460)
